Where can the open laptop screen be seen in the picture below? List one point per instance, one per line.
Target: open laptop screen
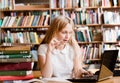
(109, 58)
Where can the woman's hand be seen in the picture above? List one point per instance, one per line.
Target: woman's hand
(54, 43)
(86, 73)
(78, 73)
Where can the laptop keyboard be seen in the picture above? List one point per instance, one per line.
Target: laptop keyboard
(90, 77)
(93, 78)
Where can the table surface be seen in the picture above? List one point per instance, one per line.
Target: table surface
(111, 80)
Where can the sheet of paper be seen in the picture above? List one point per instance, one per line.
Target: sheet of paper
(55, 80)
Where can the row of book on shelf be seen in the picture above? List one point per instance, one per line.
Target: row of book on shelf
(109, 3)
(10, 4)
(32, 20)
(111, 34)
(43, 18)
(83, 3)
(85, 17)
(74, 3)
(90, 16)
(7, 4)
(90, 51)
(21, 37)
(94, 51)
(111, 17)
(16, 62)
(87, 34)
(82, 34)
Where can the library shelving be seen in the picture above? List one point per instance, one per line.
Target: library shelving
(96, 23)
(16, 35)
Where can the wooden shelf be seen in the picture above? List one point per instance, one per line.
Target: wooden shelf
(36, 9)
(93, 25)
(87, 8)
(16, 44)
(110, 42)
(28, 8)
(110, 25)
(89, 25)
(93, 42)
(25, 27)
(110, 8)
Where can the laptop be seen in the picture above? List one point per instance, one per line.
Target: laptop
(107, 65)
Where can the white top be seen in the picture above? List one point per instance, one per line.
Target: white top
(62, 60)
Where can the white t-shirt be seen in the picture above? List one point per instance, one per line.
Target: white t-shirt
(62, 60)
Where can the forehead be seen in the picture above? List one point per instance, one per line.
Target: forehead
(68, 27)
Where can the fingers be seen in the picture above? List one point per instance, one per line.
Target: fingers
(87, 74)
(77, 73)
(90, 73)
(82, 73)
(55, 42)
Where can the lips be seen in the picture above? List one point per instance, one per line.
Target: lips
(65, 40)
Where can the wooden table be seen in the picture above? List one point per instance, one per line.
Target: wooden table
(111, 80)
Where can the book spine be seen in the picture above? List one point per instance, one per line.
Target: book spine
(16, 66)
(16, 60)
(14, 73)
(14, 52)
(16, 48)
(16, 56)
(16, 77)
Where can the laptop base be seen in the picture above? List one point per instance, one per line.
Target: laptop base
(85, 79)
(82, 80)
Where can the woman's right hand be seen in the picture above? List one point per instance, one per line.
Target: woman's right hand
(53, 44)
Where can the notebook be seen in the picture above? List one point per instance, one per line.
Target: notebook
(107, 65)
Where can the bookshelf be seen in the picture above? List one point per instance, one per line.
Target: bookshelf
(89, 14)
(102, 19)
(19, 22)
(16, 34)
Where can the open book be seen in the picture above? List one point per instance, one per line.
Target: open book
(47, 80)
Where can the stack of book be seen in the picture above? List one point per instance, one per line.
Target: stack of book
(16, 63)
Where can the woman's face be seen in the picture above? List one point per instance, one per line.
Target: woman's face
(65, 34)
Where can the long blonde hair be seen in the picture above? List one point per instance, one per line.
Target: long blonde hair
(57, 24)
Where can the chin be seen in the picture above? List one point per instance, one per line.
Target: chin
(65, 42)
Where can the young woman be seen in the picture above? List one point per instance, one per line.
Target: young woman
(59, 53)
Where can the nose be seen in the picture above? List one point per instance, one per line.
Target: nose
(67, 36)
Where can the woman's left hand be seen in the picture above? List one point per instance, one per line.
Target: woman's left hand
(81, 73)
(86, 73)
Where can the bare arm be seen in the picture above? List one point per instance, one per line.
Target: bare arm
(45, 65)
(45, 61)
(78, 70)
(78, 54)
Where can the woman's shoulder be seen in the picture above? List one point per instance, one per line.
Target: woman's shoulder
(42, 49)
(43, 46)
